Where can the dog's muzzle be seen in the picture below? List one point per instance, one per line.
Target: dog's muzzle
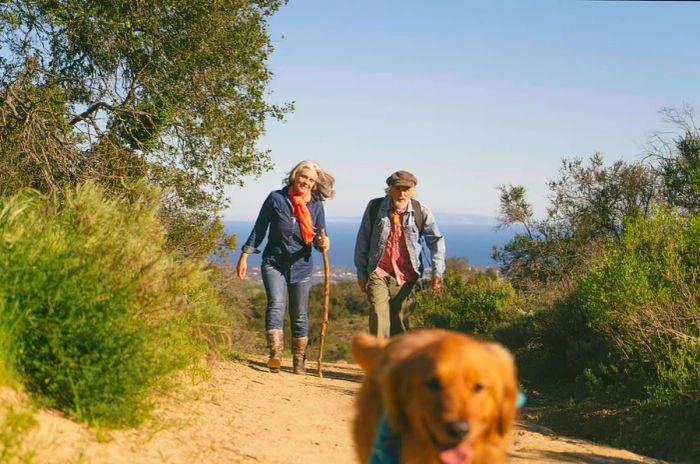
(458, 451)
(457, 429)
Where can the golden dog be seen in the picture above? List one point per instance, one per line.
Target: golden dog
(447, 397)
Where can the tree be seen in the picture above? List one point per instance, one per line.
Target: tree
(679, 159)
(172, 90)
(588, 203)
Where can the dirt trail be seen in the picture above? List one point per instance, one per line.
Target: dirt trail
(244, 414)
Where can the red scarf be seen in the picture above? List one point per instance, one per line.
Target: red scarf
(302, 214)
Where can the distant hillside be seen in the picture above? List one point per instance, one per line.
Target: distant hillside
(473, 241)
(440, 217)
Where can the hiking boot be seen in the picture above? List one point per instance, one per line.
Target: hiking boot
(275, 343)
(299, 354)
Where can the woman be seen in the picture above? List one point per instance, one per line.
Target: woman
(296, 221)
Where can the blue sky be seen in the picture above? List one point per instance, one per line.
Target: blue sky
(468, 95)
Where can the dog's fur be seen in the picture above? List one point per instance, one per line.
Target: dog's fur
(425, 381)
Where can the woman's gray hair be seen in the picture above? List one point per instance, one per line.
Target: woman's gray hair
(325, 182)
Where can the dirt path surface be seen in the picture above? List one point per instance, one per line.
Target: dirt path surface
(243, 414)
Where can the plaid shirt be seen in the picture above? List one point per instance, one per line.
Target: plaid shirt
(396, 260)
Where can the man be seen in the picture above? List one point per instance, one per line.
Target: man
(388, 254)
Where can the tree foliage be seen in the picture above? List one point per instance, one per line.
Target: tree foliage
(588, 202)
(678, 160)
(650, 274)
(171, 90)
(609, 281)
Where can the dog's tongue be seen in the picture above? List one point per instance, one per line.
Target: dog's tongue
(460, 454)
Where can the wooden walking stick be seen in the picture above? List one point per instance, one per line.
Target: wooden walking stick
(326, 296)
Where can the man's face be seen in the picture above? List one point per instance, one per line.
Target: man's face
(400, 196)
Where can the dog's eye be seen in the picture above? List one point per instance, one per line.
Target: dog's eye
(433, 384)
(478, 387)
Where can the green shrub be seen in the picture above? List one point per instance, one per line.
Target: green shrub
(632, 324)
(99, 308)
(553, 345)
(628, 332)
(478, 305)
(10, 318)
(644, 298)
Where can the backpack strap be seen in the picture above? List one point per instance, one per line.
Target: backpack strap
(375, 203)
(373, 211)
(418, 215)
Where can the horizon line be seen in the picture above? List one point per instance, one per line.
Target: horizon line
(444, 218)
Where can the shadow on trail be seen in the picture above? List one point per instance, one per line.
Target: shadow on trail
(257, 365)
(335, 372)
(338, 373)
(570, 456)
(576, 457)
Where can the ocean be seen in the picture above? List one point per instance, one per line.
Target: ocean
(471, 241)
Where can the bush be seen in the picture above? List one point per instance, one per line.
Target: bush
(644, 298)
(553, 346)
(632, 324)
(97, 308)
(474, 303)
(632, 328)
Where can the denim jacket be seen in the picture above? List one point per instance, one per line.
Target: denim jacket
(369, 249)
(285, 249)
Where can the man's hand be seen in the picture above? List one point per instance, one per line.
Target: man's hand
(362, 283)
(436, 283)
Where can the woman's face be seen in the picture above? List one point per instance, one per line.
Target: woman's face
(305, 181)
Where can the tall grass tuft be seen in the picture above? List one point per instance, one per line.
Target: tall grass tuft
(9, 321)
(14, 427)
(93, 306)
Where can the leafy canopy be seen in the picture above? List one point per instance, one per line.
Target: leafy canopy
(678, 160)
(173, 90)
(588, 202)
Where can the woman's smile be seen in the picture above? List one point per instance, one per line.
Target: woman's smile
(305, 180)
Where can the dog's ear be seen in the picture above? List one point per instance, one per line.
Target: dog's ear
(365, 349)
(509, 388)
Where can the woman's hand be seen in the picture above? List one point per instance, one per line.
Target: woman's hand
(323, 242)
(242, 266)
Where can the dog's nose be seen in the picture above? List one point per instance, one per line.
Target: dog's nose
(458, 429)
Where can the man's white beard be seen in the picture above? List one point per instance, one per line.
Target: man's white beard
(399, 205)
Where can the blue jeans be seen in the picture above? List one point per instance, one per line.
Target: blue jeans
(276, 288)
